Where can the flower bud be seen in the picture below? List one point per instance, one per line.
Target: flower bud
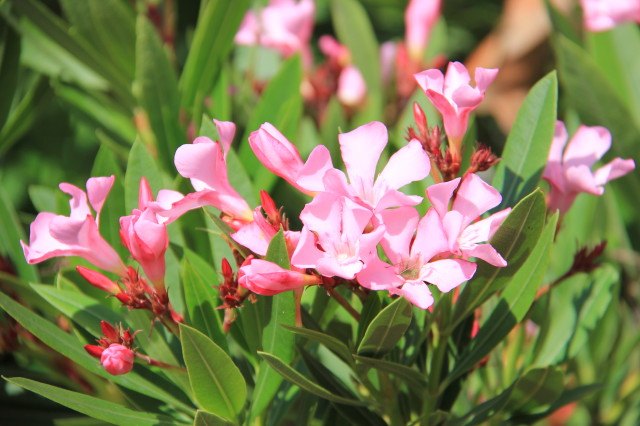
(98, 280)
(108, 331)
(117, 359)
(94, 350)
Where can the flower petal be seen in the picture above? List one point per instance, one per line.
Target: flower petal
(361, 149)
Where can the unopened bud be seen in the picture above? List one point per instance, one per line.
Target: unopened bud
(98, 280)
(124, 298)
(420, 118)
(145, 196)
(117, 359)
(94, 350)
(108, 331)
(268, 205)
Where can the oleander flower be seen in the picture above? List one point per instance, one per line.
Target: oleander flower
(117, 359)
(603, 15)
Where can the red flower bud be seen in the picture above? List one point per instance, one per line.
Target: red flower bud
(108, 331)
(94, 350)
(98, 280)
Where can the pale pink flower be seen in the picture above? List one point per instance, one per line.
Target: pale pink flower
(463, 234)
(77, 234)
(414, 249)
(419, 18)
(204, 163)
(352, 88)
(454, 97)
(267, 278)
(284, 25)
(282, 158)
(257, 235)
(603, 15)
(145, 235)
(117, 359)
(333, 239)
(361, 149)
(569, 166)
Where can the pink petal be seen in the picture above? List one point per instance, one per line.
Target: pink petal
(487, 253)
(409, 164)
(310, 176)
(97, 189)
(276, 152)
(614, 169)
(78, 202)
(455, 77)
(395, 198)
(484, 77)
(378, 275)
(440, 194)
(145, 196)
(201, 162)
(475, 197)
(453, 223)
(306, 254)
(415, 292)
(419, 18)
(352, 88)
(580, 179)
(226, 132)
(553, 172)
(448, 274)
(430, 80)
(587, 146)
(361, 149)
(484, 229)
(431, 239)
(400, 225)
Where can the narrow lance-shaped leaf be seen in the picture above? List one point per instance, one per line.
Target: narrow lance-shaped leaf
(218, 385)
(386, 329)
(9, 63)
(513, 304)
(94, 407)
(10, 236)
(525, 154)
(514, 240)
(275, 339)
(335, 345)
(298, 379)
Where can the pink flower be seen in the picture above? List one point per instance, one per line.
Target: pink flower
(281, 157)
(602, 15)
(419, 19)
(361, 149)
(569, 167)
(267, 278)
(411, 248)
(78, 234)
(333, 240)
(145, 236)
(452, 95)
(204, 162)
(117, 359)
(462, 233)
(284, 25)
(352, 88)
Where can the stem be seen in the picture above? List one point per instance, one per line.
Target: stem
(160, 364)
(342, 301)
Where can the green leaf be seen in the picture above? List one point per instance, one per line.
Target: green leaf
(218, 385)
(156, 89)
(514, 240)
(355, 31)
(69, 346)
(568, 396)
(10, 236)
(275, 340)
(280, 105)
(537, 388)
(335, 345)
(513, 304)
(140, 164)
(9, 64)
(527, 149)
(212, 41)
(415, 379)
(204, 418)
(304, 383)
(386, 329)
(91, 406)
(82, 309)
(199, 298)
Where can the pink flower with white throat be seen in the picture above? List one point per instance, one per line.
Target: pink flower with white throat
(419, 18)
(333, 239)
(454, 97)
(361, 149)
(413, 248)
(117, 359)
(284, 25)
(77, 234)
(603, 15)
(569, 166)
(463, 233)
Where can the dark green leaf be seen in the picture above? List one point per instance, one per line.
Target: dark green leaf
(298, 379)
(335, 345)
(212, 41)
(514, 240)
(218, 385)
(386, 329)
(567, 397)
(415, 379)
(527, 149)
(204, 418)
(156, 89)
(275, 340)
(93, 407)
(140, 164)
(513, 304)
(537, 388)
(9, 63)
